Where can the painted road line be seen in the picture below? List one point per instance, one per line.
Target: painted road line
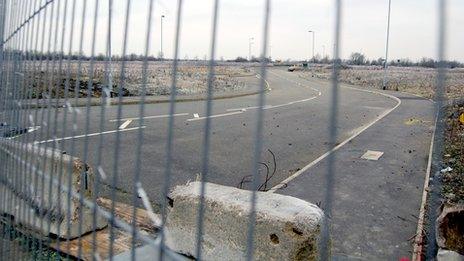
(243, 108)
(31, 129)
(216, 116)
(87, 135)
(151, 117)
(319, 93)
(125, 124)
(359, 131)
(418, 239)
(289, 103)
(267, 107)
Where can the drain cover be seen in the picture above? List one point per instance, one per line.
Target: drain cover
(372, 155)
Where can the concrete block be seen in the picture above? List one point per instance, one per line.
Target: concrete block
(36, 202)
(447, 255)
(450, 228)
(287, 228)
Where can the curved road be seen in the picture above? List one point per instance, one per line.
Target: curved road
(375, 202)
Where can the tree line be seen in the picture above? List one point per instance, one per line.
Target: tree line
(355, 58)
(360, 59)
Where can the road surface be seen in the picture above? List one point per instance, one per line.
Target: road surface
(375, 203)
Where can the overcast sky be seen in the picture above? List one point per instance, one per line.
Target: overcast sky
(413, 28)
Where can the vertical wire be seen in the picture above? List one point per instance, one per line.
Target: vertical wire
(26, 99)
(14, 114)
(105, 98)
(34, 56)
(138, 152)
(74, 119)
(438, 139)
(3, 159)
(87, 128)
(5, 73)
(47, 82)
(118, 134)
(259, 132)
(9, 117)
(36, 116)
(16, 110)
(4, 22)
(49, 119)
(169, 145)
(207, 132)
(333, 133)
(106, 91)
(385, 66)
(65, 122)
(22, 116)
(58, 85)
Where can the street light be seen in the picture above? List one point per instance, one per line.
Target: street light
(110, 76)
(385, 65)
(314, 36)
(161, 52)
(270, 53)
(250, 42)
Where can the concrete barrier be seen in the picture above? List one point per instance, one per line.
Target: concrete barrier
(287, 228)
(34, 200)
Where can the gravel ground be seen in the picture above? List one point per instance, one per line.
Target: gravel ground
(415, 80)
(453, 181)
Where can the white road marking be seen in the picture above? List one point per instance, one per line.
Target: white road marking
(361, 130)
(87, 135)
(216, 116)
(243, 108)
(418, 246)
(374, 107)
(319, 93)
(125, 124)
(31, 129)
(151, 117)
(289, 103)
(267, 107)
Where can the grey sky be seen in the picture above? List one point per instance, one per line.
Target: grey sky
(413, 27)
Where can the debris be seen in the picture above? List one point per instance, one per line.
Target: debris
(448, 169)
(372, 155)
(447, 255)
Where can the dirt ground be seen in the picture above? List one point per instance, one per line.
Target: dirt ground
(192, 79)
(453, 180)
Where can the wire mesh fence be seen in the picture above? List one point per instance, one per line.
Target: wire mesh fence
(56, 99)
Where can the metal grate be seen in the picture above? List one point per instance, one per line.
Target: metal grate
(38, 43)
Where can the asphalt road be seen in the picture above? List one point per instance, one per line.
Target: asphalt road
(375, 202)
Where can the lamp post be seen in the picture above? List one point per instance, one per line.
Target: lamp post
(385, 65)
(161, 45)
(314, 36)
(270, 53)
(250, 42)
(110, 76)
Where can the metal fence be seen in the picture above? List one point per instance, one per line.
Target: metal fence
(38, 43)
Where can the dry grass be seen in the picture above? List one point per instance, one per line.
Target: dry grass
(191, 79)
(416, 80)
